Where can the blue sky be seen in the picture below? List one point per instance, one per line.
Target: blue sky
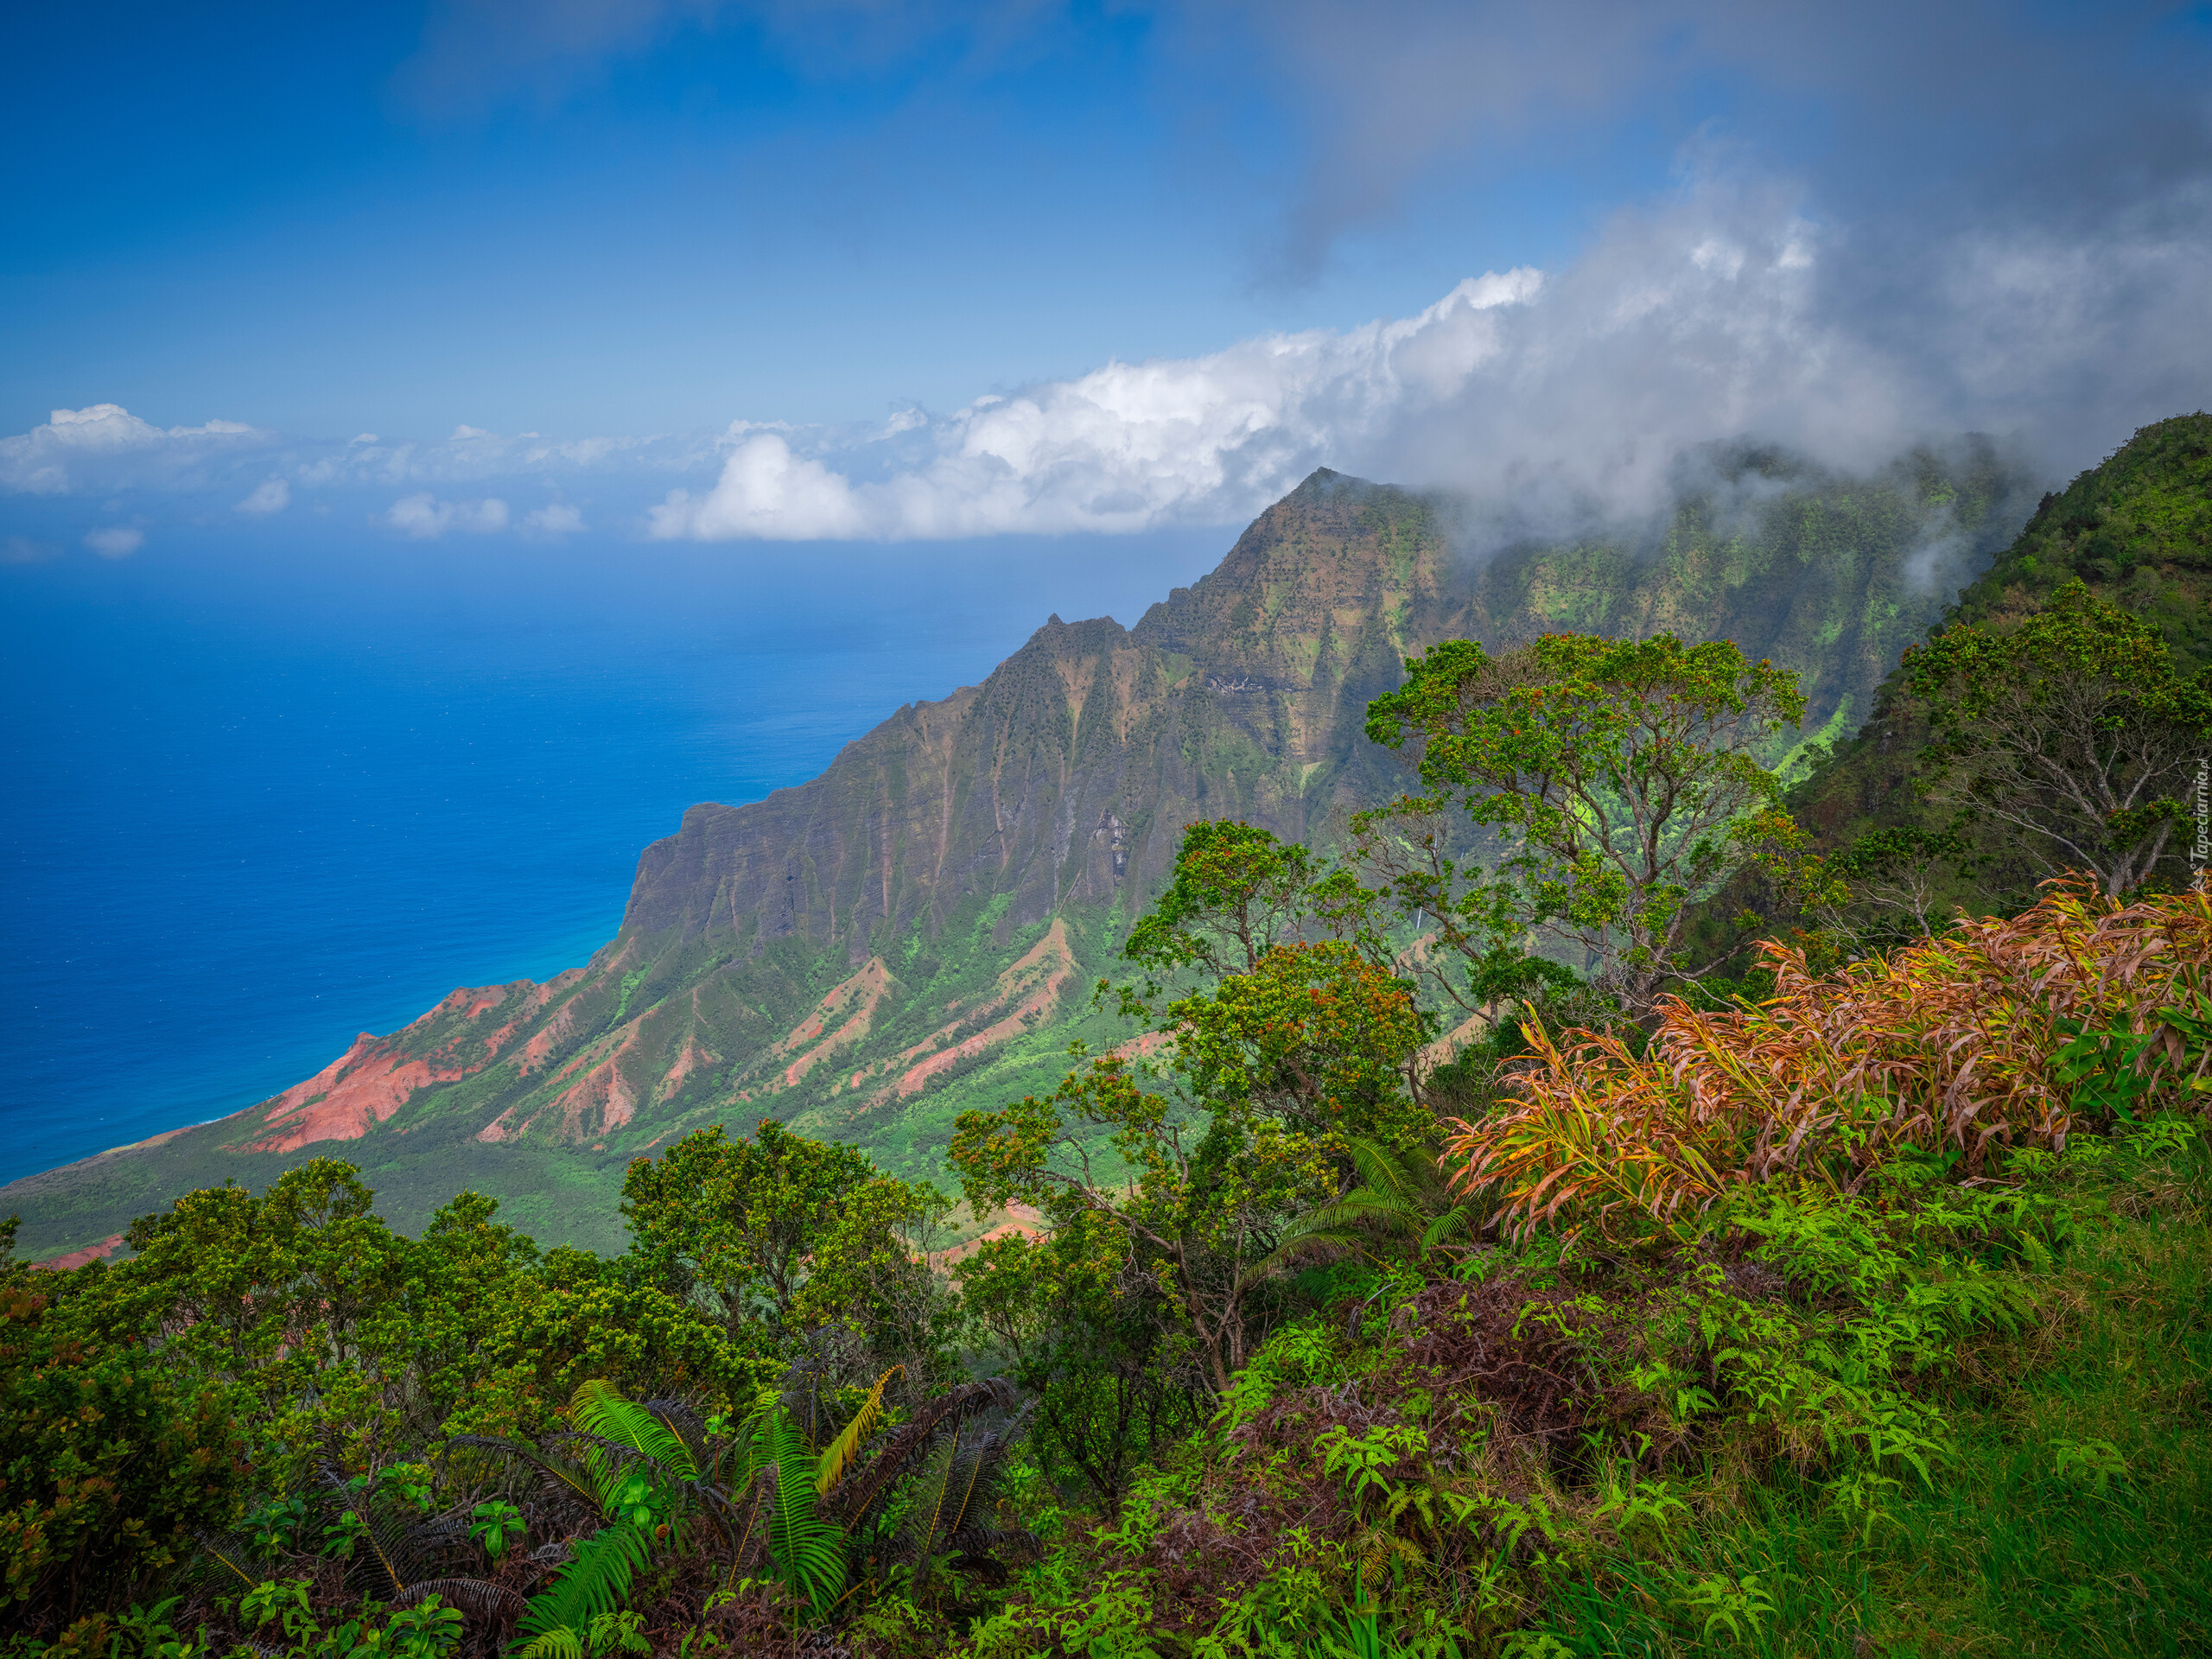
(716, 270)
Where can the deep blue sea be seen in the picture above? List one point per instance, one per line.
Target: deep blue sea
(267, 787)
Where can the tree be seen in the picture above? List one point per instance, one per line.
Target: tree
(1620, 777)
(1237, 891)
(1089, 1336)
(1270, 1076)
(109, 1467)
(741, 1219)
(295, 1296)
(1266, 1079)
(2072, 731)
(870, 1274)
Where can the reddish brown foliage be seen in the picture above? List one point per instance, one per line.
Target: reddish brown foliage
(1948, 1043)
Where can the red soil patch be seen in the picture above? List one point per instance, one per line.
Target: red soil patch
(548, 1037)
(1442, 1050)
(602, 1089)
(1020, 1219)
(376, 1077)
(840, 1019)
(361, 1088)
(1043, 973)
(91, 1253)
(689, 1061)
(536, 997)
(1138, 1047)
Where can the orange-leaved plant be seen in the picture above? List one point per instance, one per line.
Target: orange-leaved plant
(1942, 1049)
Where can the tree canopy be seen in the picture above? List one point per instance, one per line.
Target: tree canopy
(1619, 777)
(2072, 732)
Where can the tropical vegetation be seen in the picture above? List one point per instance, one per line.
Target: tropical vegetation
(1586, 1208)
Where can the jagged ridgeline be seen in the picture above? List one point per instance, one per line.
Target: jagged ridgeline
(916, 931)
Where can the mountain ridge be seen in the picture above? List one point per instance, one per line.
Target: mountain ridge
(863, 954)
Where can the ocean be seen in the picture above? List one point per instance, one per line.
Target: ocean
(269, 786)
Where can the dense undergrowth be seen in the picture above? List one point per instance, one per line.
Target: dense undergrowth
(1940, 1389)
(1859, 1309)
(1932, 1419)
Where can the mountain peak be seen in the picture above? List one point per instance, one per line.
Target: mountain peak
(1323, 483)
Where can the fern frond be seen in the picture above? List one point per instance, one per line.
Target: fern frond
(231, 1552)
(1380, 1170)
(866, 1489)
(838, 1456)
(560, 1642)
(599, 1408)
(807, 1547)
(1351, 1223)
(580, 1482)
(379, 1564)
(683, 1420)
(925, 1520)
(979, 1462)
(594, 1582)
(1460, 1218)
(477, 1598)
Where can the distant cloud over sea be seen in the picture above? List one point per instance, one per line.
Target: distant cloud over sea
(1723, 311)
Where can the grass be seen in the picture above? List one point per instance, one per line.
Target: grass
(2074, 1517)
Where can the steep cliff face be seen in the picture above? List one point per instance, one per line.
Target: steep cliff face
(1047, 784)
(835, 950)
(868, 953)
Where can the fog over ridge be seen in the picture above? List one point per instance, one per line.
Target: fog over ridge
(1727, 311)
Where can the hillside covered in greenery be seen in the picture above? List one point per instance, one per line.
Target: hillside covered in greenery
(2136, 532)
(916, 933)
(1450, 1257)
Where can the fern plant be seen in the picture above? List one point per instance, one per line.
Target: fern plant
(1403, 1199)
(955, 1500)
(814, 1501)
(595, 1582)
(392, 1553)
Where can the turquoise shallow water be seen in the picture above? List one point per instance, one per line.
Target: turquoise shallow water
(265, 790)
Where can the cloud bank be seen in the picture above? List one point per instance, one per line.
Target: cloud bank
(1727, 309)
(82, 448)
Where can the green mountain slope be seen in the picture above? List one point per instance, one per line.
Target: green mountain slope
(916, 931)
(2137, 529)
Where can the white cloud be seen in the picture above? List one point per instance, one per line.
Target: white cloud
(1725, 309)
(1722, 311)
(106, 447)
(114, 541)
(425, 518)
(559, 519)
(272, 496)
(476, 457)
(1128, 446)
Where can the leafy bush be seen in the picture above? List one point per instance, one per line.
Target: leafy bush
(1958, 1045)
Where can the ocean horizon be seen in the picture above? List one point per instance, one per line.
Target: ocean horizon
(268, 790)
